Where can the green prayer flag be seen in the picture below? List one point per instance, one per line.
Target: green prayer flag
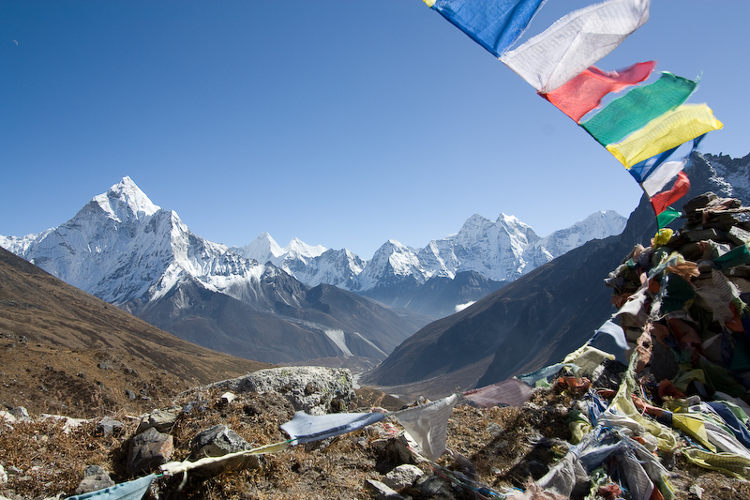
(638, 107)
(667, 216)
(735, 257)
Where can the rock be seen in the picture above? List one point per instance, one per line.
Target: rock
(696, 491)
(21, 414)
(494, 429)
(219, 441)
(94, 478)
(313, 389)
(228, 397)
(403, 476)
(130, 394)
(109, 426)
(433, 487)
(380, 490)
(162, 420)
(7, 417)
(147, 450)
(3, 475)
(105, 365)
(739, 236)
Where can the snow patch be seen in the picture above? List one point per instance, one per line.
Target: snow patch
(461, 307)
(338, 338)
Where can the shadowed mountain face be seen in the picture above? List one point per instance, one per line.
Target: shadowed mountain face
(65, 350)
(539, 318)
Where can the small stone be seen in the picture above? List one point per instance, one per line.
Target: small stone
(403, 476)
(381, 490)
(3, 475)
(7, 417)
(130, 394)
(228, 397)
(149, 449)
(696, 491)
(21, 414)
(494, 429)
(109, 426)
(105, 365)
(94, 478)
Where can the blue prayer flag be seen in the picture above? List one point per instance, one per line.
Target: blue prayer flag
(493, 24)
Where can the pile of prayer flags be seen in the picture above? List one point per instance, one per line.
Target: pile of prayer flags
(642, 128)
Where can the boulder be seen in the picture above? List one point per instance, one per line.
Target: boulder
(162, 420)
(94, 478)
(403, 476)
(218, 441)
(380, 490)
(313, 389)
(109, 426)
(149, 449)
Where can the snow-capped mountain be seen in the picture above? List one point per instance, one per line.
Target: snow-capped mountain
(500, 251)
(121, 247)
(126, 250)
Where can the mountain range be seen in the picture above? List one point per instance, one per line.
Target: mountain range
(284, 305)
(545, 314)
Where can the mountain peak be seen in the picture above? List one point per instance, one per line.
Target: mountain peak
(125, 200)
(298, 247)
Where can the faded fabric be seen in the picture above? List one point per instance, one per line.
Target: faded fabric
(562, 478)
(427, 424)
(306, 428)
(132, 490)
(511, 392)
(662, 176)
(638, 107)
(585, 92)
(661, 201)
(575, 42)
(493, 24)
(665, 132)
(613, 330)
(587, 358)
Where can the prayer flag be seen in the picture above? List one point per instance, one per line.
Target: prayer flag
(668, 215)
(638, 107)
(613, 330)
(662, 200)
(131, 490)
(493, 24)
(306, 428)
(428, 423)
(584, 92)
(661, 176)
(666, 132)
(575, 42)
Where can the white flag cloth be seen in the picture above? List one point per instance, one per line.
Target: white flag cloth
(428, 423)
(307, 428)
(575, 42)
(660, 177)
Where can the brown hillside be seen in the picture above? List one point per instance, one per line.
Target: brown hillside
(63, 350)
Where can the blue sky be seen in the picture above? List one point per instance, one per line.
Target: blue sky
(342, 122)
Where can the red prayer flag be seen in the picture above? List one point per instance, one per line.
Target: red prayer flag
(584, 92)
(661, 201)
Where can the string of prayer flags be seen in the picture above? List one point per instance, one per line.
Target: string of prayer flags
(304, 428)
(665, 132)
(575, 42)
(583, 93)
(638, 107)
(493, 24)
(428, 423)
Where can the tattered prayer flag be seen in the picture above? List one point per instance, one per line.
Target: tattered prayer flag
(132, 490)
(306, 428)
(662, 176)
(428, 423)
(511, 392)
(638, 107)
(666, 132)
(613, 330)
(493, 24)
(662, 200)
(668, 215)
(575, 42)
(584, 92)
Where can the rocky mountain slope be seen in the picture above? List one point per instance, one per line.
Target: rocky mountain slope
(142, 258)
(62, 349)
(544, 314)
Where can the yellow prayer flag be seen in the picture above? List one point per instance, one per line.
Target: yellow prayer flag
(665, 132)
